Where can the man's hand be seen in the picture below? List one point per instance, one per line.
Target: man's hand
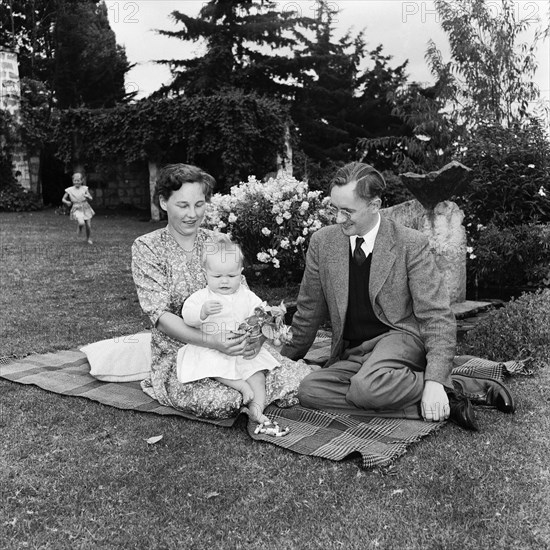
(209, 308)
(435, 403)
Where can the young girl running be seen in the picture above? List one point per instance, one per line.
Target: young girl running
(77, 197)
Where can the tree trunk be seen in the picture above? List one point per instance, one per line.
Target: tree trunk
(153, 173)
(34, 173)
(284, 164)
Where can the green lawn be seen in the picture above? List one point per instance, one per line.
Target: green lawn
(77, 474)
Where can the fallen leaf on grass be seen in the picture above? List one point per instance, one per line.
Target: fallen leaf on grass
(154, 439)
(397, 491)
(212, 495)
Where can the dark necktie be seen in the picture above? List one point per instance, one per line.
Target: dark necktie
(358, 253)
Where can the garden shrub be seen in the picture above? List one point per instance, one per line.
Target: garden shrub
(273, 222)
(511, 256)
(505, 203)
(519, 330)
(229, 134)
(511, 174)
(395, 191)
(13, 198)
(317, 175)
(7, 138)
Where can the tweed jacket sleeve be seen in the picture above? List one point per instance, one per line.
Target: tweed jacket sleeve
(311, 308)
(432, 311)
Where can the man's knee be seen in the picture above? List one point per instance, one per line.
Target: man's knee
(308, 394)
(361, 395)
(386, 390)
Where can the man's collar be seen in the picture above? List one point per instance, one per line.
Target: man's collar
(368, 238)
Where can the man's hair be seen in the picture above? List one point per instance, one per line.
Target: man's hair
(370, 182)
(220, 243)
(173, 176)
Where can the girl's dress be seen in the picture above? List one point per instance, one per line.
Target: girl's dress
(164, 279)
(196, 362)
(80, 210)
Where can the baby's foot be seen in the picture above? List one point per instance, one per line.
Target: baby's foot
(256, 413)
(247, 393)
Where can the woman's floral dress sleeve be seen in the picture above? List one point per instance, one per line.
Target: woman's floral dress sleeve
(151, 281)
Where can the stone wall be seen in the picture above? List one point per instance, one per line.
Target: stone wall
(10, 87)
(119, 185)
(10, 100)
(443, 227)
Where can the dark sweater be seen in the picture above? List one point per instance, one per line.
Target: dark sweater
(361, 322)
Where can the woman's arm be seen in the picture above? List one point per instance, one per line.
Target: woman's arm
(226, 342)
(154, 297)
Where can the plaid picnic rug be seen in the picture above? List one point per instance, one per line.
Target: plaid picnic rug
(379, 441)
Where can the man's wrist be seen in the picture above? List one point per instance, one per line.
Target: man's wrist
(432, 384)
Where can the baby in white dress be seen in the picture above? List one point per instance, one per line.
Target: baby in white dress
(222, 306)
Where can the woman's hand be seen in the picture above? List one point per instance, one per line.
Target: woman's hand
(230, 343)
(253, 347)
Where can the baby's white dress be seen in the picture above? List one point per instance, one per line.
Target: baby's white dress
(196, 362)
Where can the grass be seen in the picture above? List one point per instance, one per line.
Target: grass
(77, 474)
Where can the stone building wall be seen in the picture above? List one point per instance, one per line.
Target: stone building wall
(10, 100)
(119, 185)
(10, 87)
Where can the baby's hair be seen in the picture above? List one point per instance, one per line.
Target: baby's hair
(220, 243)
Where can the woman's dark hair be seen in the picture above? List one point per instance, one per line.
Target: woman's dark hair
(370, 182)
(172, 176)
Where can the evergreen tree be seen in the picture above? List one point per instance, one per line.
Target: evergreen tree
(89, 65)
(333, 102)
(67, 46)
(323, 105)
(240, 37)
(339, 103)
(375, 113)
(27, 26)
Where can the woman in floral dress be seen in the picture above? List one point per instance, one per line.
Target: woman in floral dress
(166, 266)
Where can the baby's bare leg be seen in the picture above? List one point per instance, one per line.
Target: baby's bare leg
(257, 406)
(240, 385)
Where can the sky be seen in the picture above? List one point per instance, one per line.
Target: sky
(402, 27)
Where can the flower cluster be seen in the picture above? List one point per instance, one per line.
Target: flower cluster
(269, 321)
(272, 220)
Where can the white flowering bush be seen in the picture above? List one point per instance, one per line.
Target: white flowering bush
(272, 221)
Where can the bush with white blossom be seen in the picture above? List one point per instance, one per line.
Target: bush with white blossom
(272, 221)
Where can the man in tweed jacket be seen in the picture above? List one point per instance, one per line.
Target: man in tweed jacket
(393, 331)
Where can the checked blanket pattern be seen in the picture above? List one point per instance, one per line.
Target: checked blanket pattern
(378, 441)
